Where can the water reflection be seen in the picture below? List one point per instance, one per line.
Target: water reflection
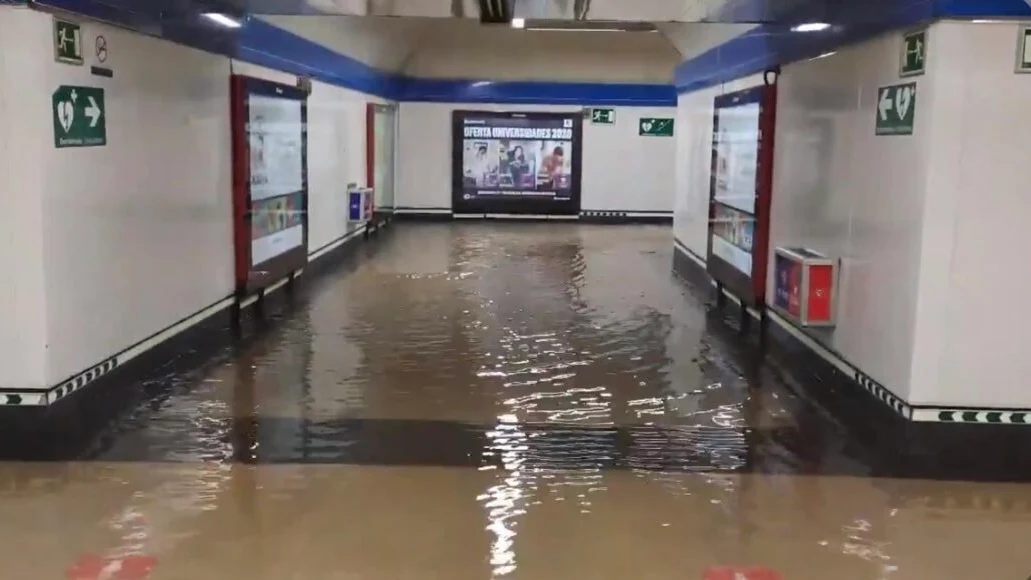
(458, 406)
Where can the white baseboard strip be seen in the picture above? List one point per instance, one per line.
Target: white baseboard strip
(897, 403)
(87, 377)
(37, 397)
(515, 216)
(417, 210)
(606, 213)
(334, 245)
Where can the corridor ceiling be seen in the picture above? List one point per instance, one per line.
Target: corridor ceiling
(726, 11)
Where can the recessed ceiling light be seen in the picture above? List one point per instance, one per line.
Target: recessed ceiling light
(222, 19)
(518, 23)
(825, 55)
(811, 27)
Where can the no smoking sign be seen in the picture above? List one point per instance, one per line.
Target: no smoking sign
(100, 48)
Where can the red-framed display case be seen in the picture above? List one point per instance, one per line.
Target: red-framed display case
(739, 191)
(270, 181)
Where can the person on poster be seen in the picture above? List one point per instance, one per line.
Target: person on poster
(518, 166)
(552, 167)
(480, 167)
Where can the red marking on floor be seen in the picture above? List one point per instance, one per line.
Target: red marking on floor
(740, 573)
(94, 567)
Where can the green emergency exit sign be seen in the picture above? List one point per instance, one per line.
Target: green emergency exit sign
(912, 61)
(603, 116)
(67, 42)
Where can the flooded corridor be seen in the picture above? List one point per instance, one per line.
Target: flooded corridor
(497, 400)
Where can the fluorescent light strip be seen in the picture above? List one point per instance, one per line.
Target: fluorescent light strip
(811, 27)
(222, 19)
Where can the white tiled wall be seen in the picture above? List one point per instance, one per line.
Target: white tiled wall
(693, 162)
(841, 190)
(137, 234)
(972, 326)
(621, 170)
(22, 137)
(107, 246)
(929, 227)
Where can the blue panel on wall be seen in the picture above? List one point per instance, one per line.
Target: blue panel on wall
(544, 93)
(263, 44)
(983, 9)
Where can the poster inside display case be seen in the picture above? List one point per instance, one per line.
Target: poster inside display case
(516, 162)
(739, 191)
(270, 183)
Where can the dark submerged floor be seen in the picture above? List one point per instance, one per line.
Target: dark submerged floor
(455, 345)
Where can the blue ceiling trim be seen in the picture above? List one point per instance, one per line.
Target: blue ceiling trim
(261, 43)
(538, 93)
(148, 18)
(982, 9)
(772, 45)
(266, 45)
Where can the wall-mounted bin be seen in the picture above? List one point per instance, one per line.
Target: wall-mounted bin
(359, 204)
(805, 286)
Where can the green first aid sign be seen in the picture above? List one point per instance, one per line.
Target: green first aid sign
(896, 109)
(655, 127)
(80, 119)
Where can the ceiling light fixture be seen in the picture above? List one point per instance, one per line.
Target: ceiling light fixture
(222, 19)
(518, 23)
(811, 27)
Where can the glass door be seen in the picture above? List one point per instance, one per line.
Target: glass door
(382, 136)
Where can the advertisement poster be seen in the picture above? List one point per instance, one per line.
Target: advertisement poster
(740, 190)
(733, 234)
(737, 156)
(276, 139)
(505, 161)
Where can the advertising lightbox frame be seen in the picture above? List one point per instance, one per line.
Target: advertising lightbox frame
(252, 278)
(525, 205)
(749, 288)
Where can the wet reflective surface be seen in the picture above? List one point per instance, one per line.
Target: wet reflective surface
(496, 400)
